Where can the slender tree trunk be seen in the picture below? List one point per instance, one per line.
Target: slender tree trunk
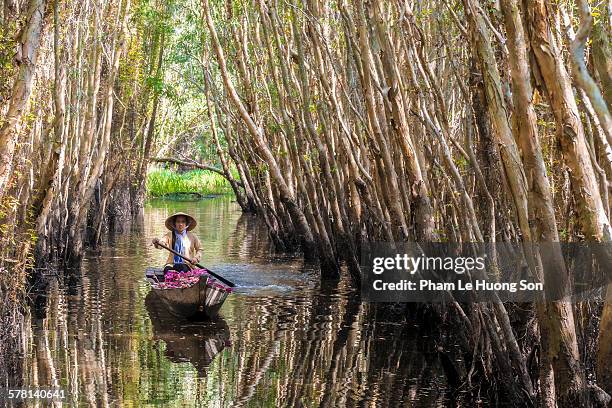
(52, 179)
(97, 169)
(591, 214)
(286, 196)
(542, 215)
(150, 134)
(604, 354)
(29, 43)
(602, 53)
(558, 332)
(582, 75)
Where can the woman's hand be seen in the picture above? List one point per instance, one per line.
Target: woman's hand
(156, 243)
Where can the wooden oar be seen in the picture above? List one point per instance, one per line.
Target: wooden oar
(221, 278)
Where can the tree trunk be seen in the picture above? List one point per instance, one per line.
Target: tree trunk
(286, 196)
(29, 43)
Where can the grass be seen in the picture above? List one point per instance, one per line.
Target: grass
(163, 183)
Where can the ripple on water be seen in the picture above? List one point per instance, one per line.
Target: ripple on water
(283, 338)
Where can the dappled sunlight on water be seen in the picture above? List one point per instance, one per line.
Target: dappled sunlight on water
(283, 338)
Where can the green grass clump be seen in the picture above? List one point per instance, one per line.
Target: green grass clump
(161, 183)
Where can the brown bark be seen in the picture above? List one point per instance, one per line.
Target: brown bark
(150, 134)
(29, 43)
(558, 332)
(394, 202)
(236, 185)
(604, 354)
(602, 53)
(497, 111)
(592, 216)
(51, 181)
(581, 73)
(557, 85)
(417, 187)
(553, 316)
(256, 132)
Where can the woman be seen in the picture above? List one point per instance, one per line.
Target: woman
(182, 241)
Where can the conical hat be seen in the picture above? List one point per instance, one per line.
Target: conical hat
(190, 221)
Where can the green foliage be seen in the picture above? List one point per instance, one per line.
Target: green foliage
(17, 238)
(130, 67)
(461, 163)
(154, 16)
(7, 54)
(154, 83)
(424, 14)
(166, 182)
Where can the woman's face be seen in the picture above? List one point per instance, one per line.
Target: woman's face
(180, 223)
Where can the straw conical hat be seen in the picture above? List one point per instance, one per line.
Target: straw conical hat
(190, 221)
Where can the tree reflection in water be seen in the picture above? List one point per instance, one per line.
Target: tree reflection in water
(194, 342)
(285, 339)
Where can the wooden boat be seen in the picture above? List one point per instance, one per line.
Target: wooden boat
(195, 342)
(201, 300)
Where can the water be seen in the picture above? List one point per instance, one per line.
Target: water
(284, 338)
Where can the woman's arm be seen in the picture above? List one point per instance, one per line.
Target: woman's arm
(163, 240)
(197, 249)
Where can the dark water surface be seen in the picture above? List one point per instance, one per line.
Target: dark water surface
(284, 338)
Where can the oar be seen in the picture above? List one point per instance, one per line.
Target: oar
(221, 278)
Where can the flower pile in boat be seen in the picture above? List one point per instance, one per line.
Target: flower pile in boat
(178, 280)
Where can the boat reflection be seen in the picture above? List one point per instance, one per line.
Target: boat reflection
(195, 342)
(295, 341)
